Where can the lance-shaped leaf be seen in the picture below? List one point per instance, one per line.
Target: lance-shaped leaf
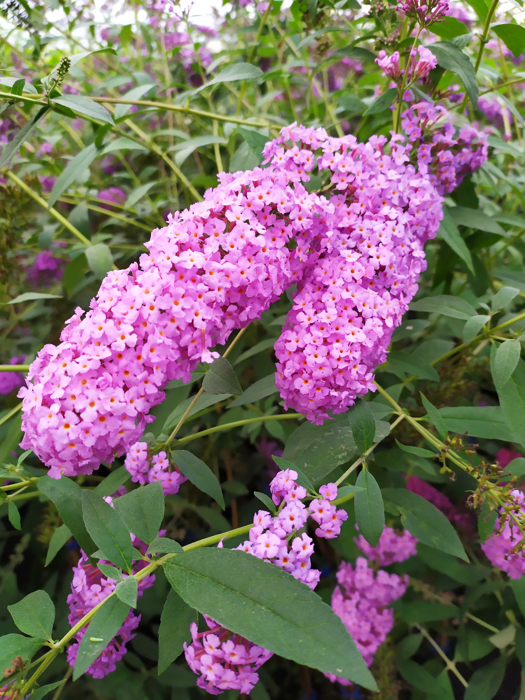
(107, 529)
(34, 615)
(74, 169)
(269, 607)
(103, 627)
(9, 150)
(221, 378)
(512, 401)
(238, 71)
(199, 474)
(451, 58)
(85, 106)
(127, 591)
(369, 508)
(363, 425)
(142, 511)
(59, 538)
(13, 645)
(434, 417)
(100, 259)
(449, 232)
(505, 361)
(174, 629)
(382, 103)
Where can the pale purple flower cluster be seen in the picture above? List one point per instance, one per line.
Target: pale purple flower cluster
(498, 547)
(12, 380)
(355, 255)
(90, 587)
(392, 547)
(417, 67)
(112, 195)
(361, 600)
(146, 469)
(425, 12)
(46, 269)
(224, 660)
(496, 113)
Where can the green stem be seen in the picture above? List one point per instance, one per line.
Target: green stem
(14, 368)
(11, 413)
(238, 424)
(451, 666)
(58, 216)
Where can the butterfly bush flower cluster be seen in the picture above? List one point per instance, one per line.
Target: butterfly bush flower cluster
(355, 255)
(502, 548)
(146, 469)
(363, 596)
(419, 65)
(89, 588)
(224, 660)
(425, 12)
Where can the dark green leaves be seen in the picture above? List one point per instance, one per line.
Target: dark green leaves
(512, 35)
(14, 515)
(260, 390)
(505, 361)
(127, 590)
(449, 232)
(413, 365)
(163, 545)
(174, 629)
(103, 627)
(199, 474)
(85, 106)
(453, 59)
(9, 149)
(13, 645)
(256, 143)
(67, 497)
(269, 607)
(99, 259)
(221, 379)
(455, 307)
(60, 536)
(108, 530)
(74, 169)
(425, 521)
(512, 401)
(411, 449)
(382, 103)
(142, 511)
(363, 425)
(34, 615)
(486, 681)
(319, 449)
(434, 417)
(369, 509)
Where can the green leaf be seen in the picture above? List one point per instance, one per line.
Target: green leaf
(127, 591)
(425, 611)
(265, 500)
(449, 28)
(237, 71)
(473, 326)
(451, 58)
(67, 497)
(142, 511)
(199, 474)
(486, 681)
(260, 347)
(110, 572)
(363, 425)
(382, 103)
(34, 615)
(99, 259)
(11, 82)
(413, 365)
(221, 378)
(259, 390)
(59, 538)
(474, 218)
(449, 232)
(369, 508)
(419, 451)
(136, 195)
(108, 530)
(13, 645)
(204, 401)
(14, 515)
(434, 417)
(163, 545)
(444, 304)
(446, 563)
(134, 94)
(33, 296)
(174, 629)
(186, 148)
(478, 421)
(256, 142)
(505, 361)
(74, 169)
(319, 449)
(408, 646)
(113, 481)
(417, 676)
(480, 7)
(85, 106)
(269, 607)
(425, 521)
(504, 297)
(516, 467)
(512, 401)
(9, 149)
(512, 35)
(104, 626)
(518, 588)
(74, 272)
(122, 143)
(75, 58)
(41, 692)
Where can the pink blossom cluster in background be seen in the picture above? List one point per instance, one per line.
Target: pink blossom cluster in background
(506, 455)
(90, 587)
(12, 380)
(419, 65)
(221, 263)
(425, 12)
(443, 503)
(147, 470)
(46, 269)
(498, 547)
(112, 195)
(393, 546)
(225, 661)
